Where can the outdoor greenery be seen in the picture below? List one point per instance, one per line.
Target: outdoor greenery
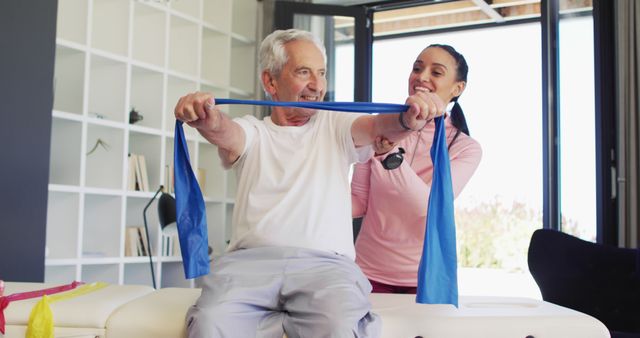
(495, 234)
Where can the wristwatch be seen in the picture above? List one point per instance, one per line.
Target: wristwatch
(393, 160)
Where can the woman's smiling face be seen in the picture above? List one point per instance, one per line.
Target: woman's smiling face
(435, 70)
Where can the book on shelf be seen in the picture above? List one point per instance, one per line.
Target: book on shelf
(142, 238)
(202, 179)
(137, 178)
(136, 243)
(131, 242)
(166, 244)
(131, 172)
(176, 246)
(168, 178)
(142, 163)
(138, 172)
(170, 246)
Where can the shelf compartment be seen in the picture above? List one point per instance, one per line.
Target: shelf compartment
(217, 91)
(107, 88)
(104, 165)
(244, 17)
(107, 273)
(68, 80)
(173, 275)
(111, 26)
(189, 8)
(177, 88)
(62, 225)
(148, 34)
(183, 46)
(150, 147)
(134, 218)
(218, 14)
(146, 91)
(214, 175)
(215, 57)
(60, 274)
(139, 273)
(66, 139)
(72, 20)
(101, 226)
(243, 66)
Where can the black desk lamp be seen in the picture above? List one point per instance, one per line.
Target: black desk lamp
(167, 214)
(167, 217)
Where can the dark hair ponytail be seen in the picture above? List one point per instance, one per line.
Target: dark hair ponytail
(458, 120)
(462, 69)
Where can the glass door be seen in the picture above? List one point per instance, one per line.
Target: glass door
(347, 37)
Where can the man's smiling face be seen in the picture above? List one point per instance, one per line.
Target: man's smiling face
(302, 79)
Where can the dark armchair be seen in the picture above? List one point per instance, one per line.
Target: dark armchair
(598, 280)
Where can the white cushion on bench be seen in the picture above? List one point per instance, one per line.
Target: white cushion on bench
(156, 315)
(495, 317)
(84, 314)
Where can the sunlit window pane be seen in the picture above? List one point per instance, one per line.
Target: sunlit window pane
(502, 205)
(577, 131)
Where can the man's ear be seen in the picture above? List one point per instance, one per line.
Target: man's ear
(268, 82)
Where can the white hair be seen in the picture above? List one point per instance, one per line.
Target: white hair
(273, 56)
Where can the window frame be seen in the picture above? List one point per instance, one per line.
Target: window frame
(549, 19)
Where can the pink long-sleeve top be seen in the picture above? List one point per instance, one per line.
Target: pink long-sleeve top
(394, 203)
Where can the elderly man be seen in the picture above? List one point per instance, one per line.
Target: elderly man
(290, 264)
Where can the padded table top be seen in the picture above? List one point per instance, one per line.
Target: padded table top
(124, 311)
(495, 317)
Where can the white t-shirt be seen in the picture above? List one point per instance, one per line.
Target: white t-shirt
(293, 184)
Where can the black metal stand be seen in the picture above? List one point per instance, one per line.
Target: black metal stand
(146, 229)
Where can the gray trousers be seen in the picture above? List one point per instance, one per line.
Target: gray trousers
(264, 292)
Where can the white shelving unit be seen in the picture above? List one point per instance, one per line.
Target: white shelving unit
(112, 56)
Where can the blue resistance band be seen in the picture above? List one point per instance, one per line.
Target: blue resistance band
(191, 217)
(437, 273)
(351, 107)
(438, 269)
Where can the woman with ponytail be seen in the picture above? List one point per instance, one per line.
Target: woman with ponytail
(391, 190)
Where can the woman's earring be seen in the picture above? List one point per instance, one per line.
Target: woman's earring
(393, 160)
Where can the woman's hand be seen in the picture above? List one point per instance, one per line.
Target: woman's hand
(423, 107)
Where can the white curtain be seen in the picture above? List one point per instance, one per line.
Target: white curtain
(628, 120)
